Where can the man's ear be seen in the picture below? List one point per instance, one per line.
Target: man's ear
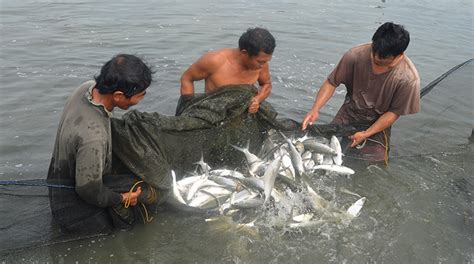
(118, 96)
(400, 55)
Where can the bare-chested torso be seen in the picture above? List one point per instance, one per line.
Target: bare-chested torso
(230, 71)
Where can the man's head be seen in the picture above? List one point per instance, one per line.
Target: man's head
(389, 41)
(126, 78)
(257, 46)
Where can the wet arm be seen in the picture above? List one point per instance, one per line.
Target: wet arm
(265, 83)
(199, 70)
(324, 94)
(265, 88)
(383, 122)
(89, 169)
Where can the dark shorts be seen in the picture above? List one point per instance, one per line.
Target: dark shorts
(370, 151)
(74, 215)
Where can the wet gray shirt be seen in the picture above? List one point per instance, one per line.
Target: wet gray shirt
(83, 149)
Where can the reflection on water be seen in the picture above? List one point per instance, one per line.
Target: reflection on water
(418, 210)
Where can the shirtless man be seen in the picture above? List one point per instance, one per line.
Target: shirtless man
(247, 64)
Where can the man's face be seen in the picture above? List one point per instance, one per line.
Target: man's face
(124, 102)
(383, 62)
(257, 62)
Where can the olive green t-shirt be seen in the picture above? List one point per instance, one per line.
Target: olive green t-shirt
(82, 153)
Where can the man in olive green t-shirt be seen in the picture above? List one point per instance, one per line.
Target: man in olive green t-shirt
(82, 155)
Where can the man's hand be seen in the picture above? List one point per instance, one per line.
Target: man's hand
(311, 116)
(131, 198)
(254, 105)
(357, 138)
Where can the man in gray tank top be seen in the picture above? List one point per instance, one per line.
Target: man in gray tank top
(82, 155)
(382, 84)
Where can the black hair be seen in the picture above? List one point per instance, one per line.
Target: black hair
(126, 73)
(390, 40)
(255, 40)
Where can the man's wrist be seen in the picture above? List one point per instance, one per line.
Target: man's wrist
(314, 111)
(256, 99)
(365, 134)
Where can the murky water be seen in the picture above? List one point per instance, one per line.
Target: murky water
(419, 210)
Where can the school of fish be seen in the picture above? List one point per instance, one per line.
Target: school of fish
(281, 171)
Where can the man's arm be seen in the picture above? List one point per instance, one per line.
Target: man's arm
(324, 94)
(265, 88)
(383, 122)
(199, 70)
(89, 184)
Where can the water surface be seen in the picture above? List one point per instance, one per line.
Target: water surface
(418, 210)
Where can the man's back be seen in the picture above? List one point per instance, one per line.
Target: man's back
(81, 124)
(82, 140)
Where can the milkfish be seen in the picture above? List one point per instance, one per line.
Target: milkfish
(316, 146)
(176, 193)
(270, 176)
(280, 178)
(296, 159)
(335, 168)
(354, 210)
(334, 144)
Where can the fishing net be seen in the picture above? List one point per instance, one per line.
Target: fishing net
(149, 145)
(446, 117)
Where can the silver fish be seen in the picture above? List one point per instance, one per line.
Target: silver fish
(327, 160)
(252, 183)
(188, 181)
(229, 182)
(290, 182)
(249, 203)
(335, 168)
(208, 200)
(318, 202)
(344, 190)
(270, 176)
(224, 172)
(195, 187)
(307, 224)
(299, 147)
(318, 158)
(257, 168)
(176, 193)
(354, 210)
(295, 157)
(205, 168)
(251, 158)
(312, 144)
(334, 144)
(303, 138)
(287, 166)
(242, 195)
(302, 217)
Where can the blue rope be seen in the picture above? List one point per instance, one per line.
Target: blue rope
(25, 183)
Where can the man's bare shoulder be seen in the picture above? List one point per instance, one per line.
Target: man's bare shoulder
(216, 58)
(220, 55)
